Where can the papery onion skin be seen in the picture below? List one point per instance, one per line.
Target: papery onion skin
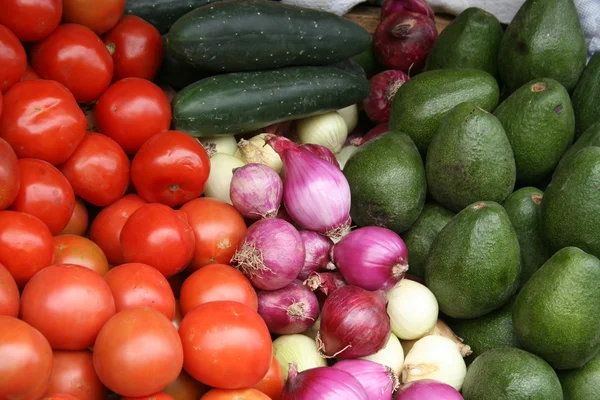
(317, 248)
(428, 389)
(325, 282)
(322, 152)
(379, 381)
(271, 254)
(256, 191)
(323, 383)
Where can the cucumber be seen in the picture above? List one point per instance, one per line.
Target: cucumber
(162, 13)
(177, 74)
(252, 35)
(247, 101)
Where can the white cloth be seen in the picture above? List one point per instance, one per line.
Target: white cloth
(339, 7)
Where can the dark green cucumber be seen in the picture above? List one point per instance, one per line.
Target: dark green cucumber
(177, 74)
(246, 101)
(253, 35)
(350, 66)
(163, 13)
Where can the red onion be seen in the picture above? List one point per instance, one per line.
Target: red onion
(256, 191)
(325, 282)
(428, 389)
(371, 257)
(271, 254)
(322, 152)
(395, 6)
(376, 131)
(379, 381)
(292, 309)
(354, 323)
(317, 248)
(316, 194)
(322, 383)
(384, 85)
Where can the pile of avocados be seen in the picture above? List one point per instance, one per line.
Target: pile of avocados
(490, 172)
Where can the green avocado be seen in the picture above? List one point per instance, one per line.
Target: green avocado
(586, 96)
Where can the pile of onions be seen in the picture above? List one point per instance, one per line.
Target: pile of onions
(322, 152)
(428, 389)
(413, 309)
(325, 282)
(378, 381)
(317, 248)
(324, 383)
(256, 191)
(391, 356)
(298, 350)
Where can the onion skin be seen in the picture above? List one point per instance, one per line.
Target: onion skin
(417, 6)
(317, 248)
(325, 282)
(256, 191)
(428, 389)
(378, 104)
(322, 152)
(322, 383)
(379, 381)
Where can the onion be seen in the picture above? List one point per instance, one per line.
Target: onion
(256, 191)
(322, 152)
(379, 381)
(271, 254)
(219, 144)
(376, 131)
(395, 6)
(392, 355)
(219, 179)
(299, 350)
(412, 308)
(384, 85)
(428, 389)
(344, 155)
(256, 151)
(292, 309)
(325, 282)
(441, 329)
(328, 130)
(354, 323)
(372, 258)
(324, 383)
(314, 330)
(317, 248)
(350, 116)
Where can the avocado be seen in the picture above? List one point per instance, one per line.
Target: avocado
(387, 182)
(473, 266)
(544, 40)
(368, 62)
(557, 313)
(420, 236)
(469, 159)
(590, 138)
(582, 383)
(586, 96)
(470, 41)
(510, 374)
(540, 124)
(422, 102)
(571, 205)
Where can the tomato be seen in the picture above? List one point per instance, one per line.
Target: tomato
(214, 283)
(25, 360)
(158, 236)
(73, 249)
(12, 58)
(185, 388)
(138, 352)
(60, 397)
(78, 223)
(177, 280)
(131, 111)
(73, 374)
(10, 176)
(45, 193)
(272, 384)
(76, 57)
(68, 304)
(178, 315)
(41, 119)
(9, 294)
(26, 245)
(235, 394)
(138, 48)
(170, 168)
(155, 396)
(31, 20)
(98, 170)
(30, 74)
(106, 228)
(226, 345)
(218, 229)
(99, 16)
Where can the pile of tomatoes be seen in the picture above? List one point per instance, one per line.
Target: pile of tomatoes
(113, 267)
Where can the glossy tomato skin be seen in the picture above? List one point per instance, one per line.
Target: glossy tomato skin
(99, 16)
(158, 236)
(25, 360)
(45, 193)
(218, 229)
(155, 396)
(10, 175)
(60, 397)
(26, 245)
(31, 20)
(235, 394)
(226, 345)
(272, 383)
(12, 58)
(73, 374)
(131, 111)
(73, 249)
(69, 304)
(76, 57)
(170, 168)
(78, 223)
(135, 344)
(185, 388)
(41, 119)
(98, 170)
(30, 74)
(9, 294)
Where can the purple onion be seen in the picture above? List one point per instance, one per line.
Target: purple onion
(372, 258)
(256, 191)
(292, 309)
(395, 6)
(322, 383)
(325, 282)
(322, 152)
(271, 254)
(379, 381)
(317, 249)
(428, 389)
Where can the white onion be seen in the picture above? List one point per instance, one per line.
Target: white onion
(413, 309)
(297, 349)
(256, 151)
(328, 130)
(350, 115)
(225, 144)
(344, 155)
(221, 172)
(392, 355)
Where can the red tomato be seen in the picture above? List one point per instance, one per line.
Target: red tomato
(185, 388)
(73, 249)
(76, 57)
(158, 236)
(73, 374)
(26, 245)
(235, 394)
(68, 304)
(12, 58)
(155, 396)
(138, 48)
(178, 315)
(10, 176)
(31, 20)
(226, 345)
(41, 119)
(170, 168)
(0, 104)
(138, 352)
(272, 384)
(99, 16)
(45, 193)
(131, 111)
(98, 170)
(215, 283)
(78, 223)
(60, 397)
(218, 229)
(9, 294)
(106, 228)
(25, 360)
(30, 74)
